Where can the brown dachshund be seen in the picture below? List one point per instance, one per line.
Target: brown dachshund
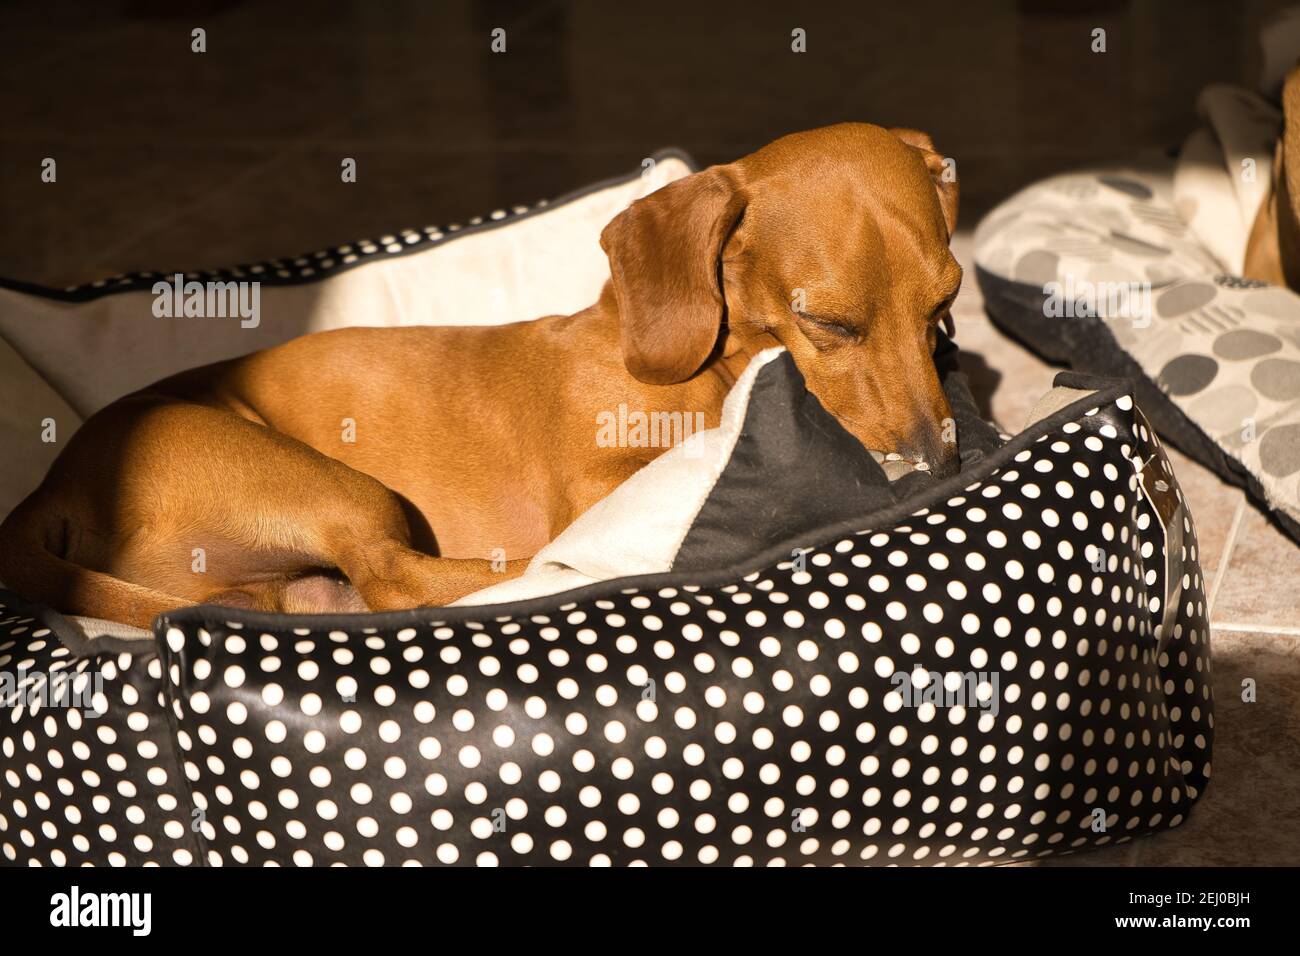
(472, 442)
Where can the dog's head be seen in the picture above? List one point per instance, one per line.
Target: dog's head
(833, 243)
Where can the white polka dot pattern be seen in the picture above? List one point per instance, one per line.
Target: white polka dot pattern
(757, 719)
(95, 782)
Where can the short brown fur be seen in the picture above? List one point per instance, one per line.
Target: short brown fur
(472, 439)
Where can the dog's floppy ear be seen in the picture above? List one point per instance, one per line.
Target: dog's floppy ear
(944, 176)
(664, 255)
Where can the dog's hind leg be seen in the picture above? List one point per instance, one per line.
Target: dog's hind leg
(201, 504)
(33, 565)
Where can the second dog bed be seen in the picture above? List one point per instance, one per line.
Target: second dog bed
(1097, 269)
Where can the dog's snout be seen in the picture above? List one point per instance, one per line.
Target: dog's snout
(934, 443)
(919, 430)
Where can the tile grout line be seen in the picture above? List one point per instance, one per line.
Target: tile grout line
(1225, 558)
(1242, 628)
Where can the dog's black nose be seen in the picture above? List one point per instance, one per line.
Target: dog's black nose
(937, 447)
(946, 463)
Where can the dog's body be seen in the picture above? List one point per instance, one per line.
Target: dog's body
(237, 483)
(1273, 248)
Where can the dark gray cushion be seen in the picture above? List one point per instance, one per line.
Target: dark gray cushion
(796, 469)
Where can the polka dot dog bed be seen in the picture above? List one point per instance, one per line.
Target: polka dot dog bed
(1008, 664)
(753, 715)
(1098, 270)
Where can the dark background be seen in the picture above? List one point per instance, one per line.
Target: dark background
(169, 159)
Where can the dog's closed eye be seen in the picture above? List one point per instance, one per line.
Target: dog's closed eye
(832, 326)
(943, 314)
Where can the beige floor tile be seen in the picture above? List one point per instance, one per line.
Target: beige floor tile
(1250, 813)
(1261, 584)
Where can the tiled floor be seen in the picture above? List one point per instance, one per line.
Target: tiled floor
(1251, 812)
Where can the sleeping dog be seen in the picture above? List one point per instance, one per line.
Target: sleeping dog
(480, 440)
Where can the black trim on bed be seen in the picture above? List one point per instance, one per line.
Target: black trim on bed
(68, 633)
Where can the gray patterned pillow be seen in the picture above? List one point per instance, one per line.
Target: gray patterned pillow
(1100, 271)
